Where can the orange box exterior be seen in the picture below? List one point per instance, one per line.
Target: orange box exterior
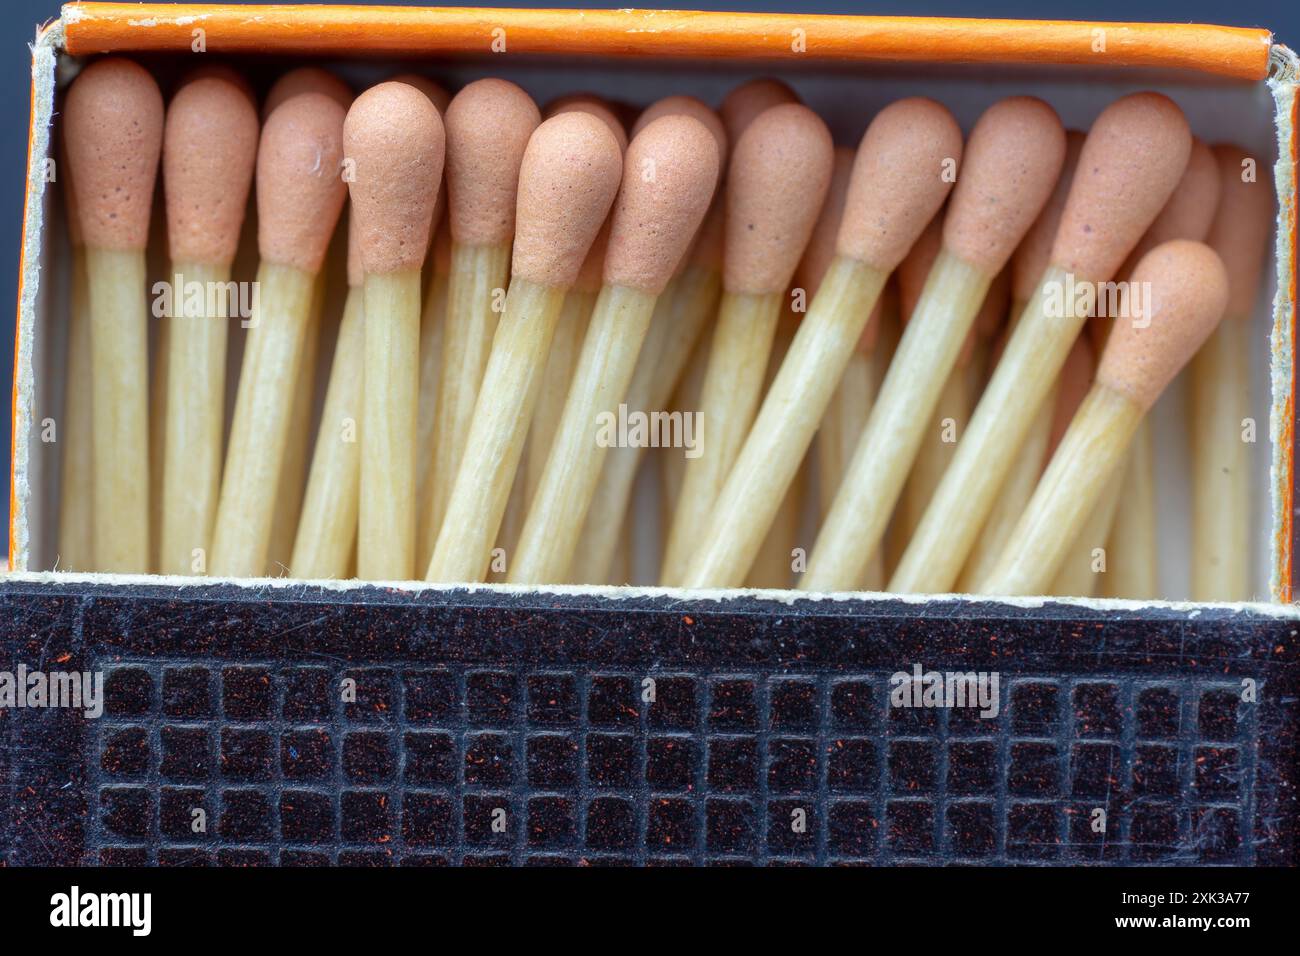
(1225, 52)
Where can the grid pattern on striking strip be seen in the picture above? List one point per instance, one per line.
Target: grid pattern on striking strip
(314, 763)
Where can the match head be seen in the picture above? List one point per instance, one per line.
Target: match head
(1188, 288)
(219, 71)
(307, 79)
(300, 191)
(113, 128)
(821, 244)
(744, 104)
(1033, 254)
(1243, 225)
(669, 174)
(488, 124)
(209, 149)
(436, 92)
(902, 173)
(1013, 159)
(592, 104)
(1071, 388)
(1190, 210)
(567, 180)
(780, 170)
(686, 106)
(1134, 156)
(393, 137)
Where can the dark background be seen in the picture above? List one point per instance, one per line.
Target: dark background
(1280, 16)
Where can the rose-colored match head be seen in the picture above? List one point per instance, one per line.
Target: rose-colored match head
(915, 267)
(300, 191)
(1188, 289)
(218, 71)
(744, 104)
(669, 174)
(1071, 389)
(113, 125)
(902, 173)
(821, 244)
(1134, 156)
(567, 181)
(1034, 252)
(780, 170)
(686, 106)
(488, 126)
(1190, 210)
(394, 139)
(436, 92)
(1013, 159)
(307, 79)
(209, 148)
(592, 104)
(1242, 225)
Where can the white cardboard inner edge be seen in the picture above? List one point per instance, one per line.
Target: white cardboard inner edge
(847, 96)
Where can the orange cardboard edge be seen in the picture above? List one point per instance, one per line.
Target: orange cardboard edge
(1286, 544)
(363, 30)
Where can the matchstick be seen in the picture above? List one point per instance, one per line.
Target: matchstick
(1040, 441)
(300, 194)
(779, 173)
(488, 124)
(1188, 291)
(896, 187)
(76, 428)
(674, 327)
(432, 327)
(114, 127)
(1129, 165)
(393, 137)
(670, 172)
(568, 177)
(1219, 394)
(1132, 558)
(1012, 161)
(209, 148)
(685, 401)
(326, 537)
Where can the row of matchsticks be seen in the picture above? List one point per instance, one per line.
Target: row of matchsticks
(914, 321)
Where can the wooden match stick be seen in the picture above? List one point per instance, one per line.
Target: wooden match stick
(299, 197)
(209, 148)
(488, 125)
(567, 181)
(393, 136)
(1188, 289)
(1040, 441)
(1129, 165)
(76, 428)
(674, 327)
(1012, 161)
(779, 173)
(670, 172)
(896, 187)
(1219, 393)
(326, 537)
(114, 127)
(1132, 558)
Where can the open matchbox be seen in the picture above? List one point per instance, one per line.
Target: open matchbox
(496, 724)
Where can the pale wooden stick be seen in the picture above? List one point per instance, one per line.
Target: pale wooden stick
(566, 346)
(76, 545)
(432, 327)
(1087, 561)
(496, 438)
(195, 423)
(685, 401)
(774, 565)
(1219, 403)
(327, 528)
(845, 418)
(1067, 494)
(1132, 551)
(263, 403)
(158, 392)
(293, 473)
(936, 449)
